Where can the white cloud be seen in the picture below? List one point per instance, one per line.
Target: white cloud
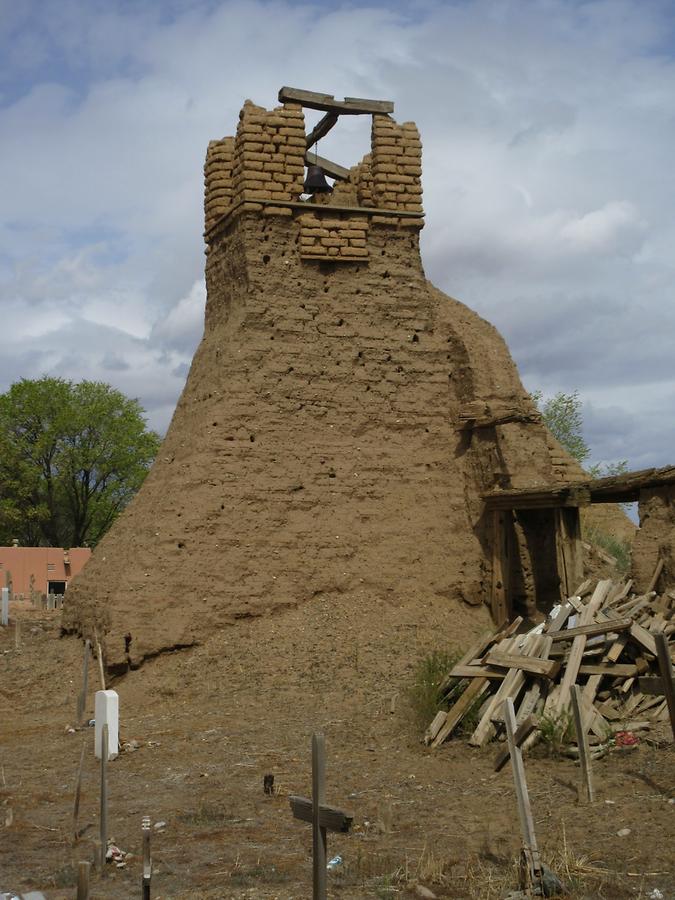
(547, 126)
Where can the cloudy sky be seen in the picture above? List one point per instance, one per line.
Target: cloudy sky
(548, 130)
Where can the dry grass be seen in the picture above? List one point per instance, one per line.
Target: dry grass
(483, 875)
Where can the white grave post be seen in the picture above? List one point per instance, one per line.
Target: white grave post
(5, 607)
(106, 712)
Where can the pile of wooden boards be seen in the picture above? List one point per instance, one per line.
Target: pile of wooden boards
(613, 644)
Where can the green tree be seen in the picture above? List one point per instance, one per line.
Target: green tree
(562, 416)
(71, 457)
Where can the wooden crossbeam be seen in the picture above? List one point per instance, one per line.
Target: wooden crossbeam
(350, 106)
(330, 817)
(321, 129)
(329, 167)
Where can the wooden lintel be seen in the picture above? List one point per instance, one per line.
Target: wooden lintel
(321, 129)
(330, 168)
(330, 818)
(544, 498)
(350, 106)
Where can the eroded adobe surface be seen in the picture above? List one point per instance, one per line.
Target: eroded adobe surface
(319, 444)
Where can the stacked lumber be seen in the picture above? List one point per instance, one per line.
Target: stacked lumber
(604, 639)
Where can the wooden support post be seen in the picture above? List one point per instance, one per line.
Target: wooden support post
(530, 849)
(582, 741)
(318, 832)
(83, 880)
(82, 698)
(78, 790)
(500, 606)
(666, 668)
(17, 634)
(147, 858)
(104, 798)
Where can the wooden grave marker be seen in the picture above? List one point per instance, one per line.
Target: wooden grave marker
(322, 817)
(531, 869)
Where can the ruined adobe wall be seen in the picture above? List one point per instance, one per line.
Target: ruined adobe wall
(655, 538)
(316, 447)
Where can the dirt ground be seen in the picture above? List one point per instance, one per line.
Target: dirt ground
(212, 720)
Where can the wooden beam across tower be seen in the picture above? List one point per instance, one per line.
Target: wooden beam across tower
(350, 106)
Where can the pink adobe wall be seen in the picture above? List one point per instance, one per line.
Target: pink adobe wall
(44, 563)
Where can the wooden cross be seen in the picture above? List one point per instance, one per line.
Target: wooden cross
(322, 817)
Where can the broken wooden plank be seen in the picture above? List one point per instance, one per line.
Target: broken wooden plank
(436, 724)
(579, 643)
(593, 628)
(350, 106)
(546, 668)
(460, 708)
(510, 687)
(477, 672)
(481, 646)
(666, 668)
(643, 637)
(612, 670)
(651, 685)
(657, 574)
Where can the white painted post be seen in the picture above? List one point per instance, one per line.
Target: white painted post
(4, 617)
(106, 712)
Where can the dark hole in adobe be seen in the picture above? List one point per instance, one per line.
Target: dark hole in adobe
(415, 339)
(341, 321)
(266, 258)
(252, 439)
(222, 506)
(385, 274)
(181, 545)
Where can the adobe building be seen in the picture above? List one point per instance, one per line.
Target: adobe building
(40, 570)
(343, 419)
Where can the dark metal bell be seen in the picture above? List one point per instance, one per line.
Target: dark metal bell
(315, 182)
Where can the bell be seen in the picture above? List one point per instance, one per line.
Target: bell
(316, 183)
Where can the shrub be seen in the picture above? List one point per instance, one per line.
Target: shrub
(424, 694)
